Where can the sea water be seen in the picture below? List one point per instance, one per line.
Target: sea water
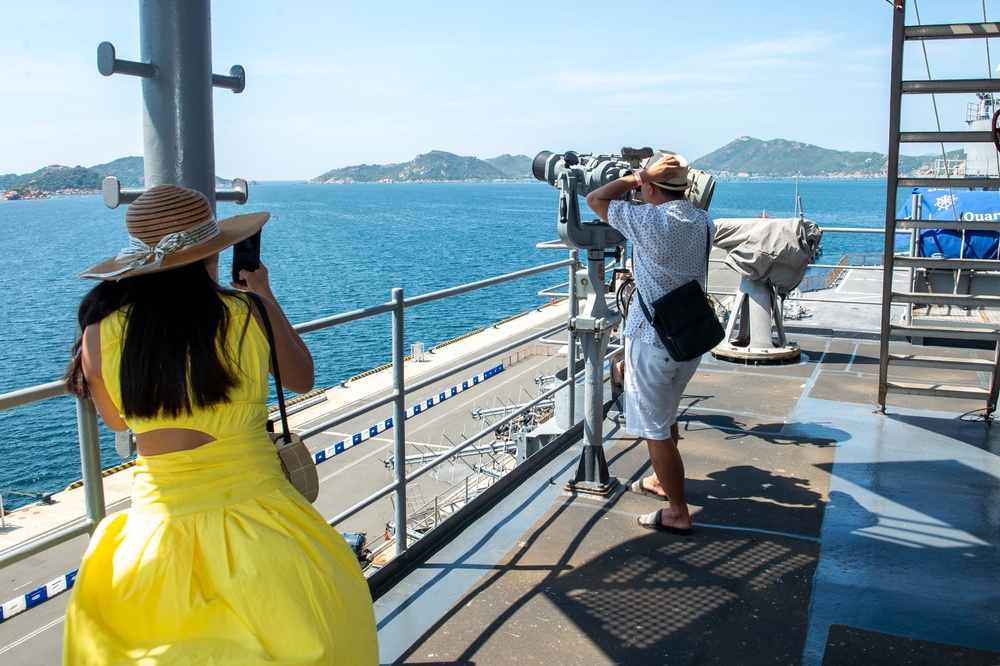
(329, 249)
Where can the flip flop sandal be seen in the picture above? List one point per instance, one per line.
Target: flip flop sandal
(653, 522)
(637, 488)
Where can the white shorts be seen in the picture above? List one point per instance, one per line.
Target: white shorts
(654, 383)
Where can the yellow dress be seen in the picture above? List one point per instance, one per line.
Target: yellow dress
(219, 560)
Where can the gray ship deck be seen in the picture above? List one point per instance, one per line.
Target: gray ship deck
(825, 533)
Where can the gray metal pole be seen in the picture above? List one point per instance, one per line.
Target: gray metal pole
(90, 460)
(594, 327)
(595, 347)
(178, 126)
(891, 185)
(399, 418)
(574, 310)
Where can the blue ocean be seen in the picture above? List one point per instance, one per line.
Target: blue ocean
(329, 249)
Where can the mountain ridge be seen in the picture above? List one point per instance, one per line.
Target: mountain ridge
(60, 179)
(436, 166)
(745, 157)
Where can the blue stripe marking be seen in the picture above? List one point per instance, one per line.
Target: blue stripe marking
(373, 430)
(35, 597)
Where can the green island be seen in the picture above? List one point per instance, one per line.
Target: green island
(436, 165)
(745, 157)
(58, 179)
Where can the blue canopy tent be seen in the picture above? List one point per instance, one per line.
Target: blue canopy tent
(956, 204)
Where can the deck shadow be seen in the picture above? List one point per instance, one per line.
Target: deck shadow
(589, 586)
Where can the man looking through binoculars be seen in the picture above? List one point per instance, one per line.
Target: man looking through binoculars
(669, 248)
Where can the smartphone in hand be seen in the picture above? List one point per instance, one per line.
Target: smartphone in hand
(246, 256)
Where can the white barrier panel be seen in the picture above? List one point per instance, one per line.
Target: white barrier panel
(37, 596)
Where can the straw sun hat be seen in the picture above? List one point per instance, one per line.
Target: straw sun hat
(678, 182)
(170, 226)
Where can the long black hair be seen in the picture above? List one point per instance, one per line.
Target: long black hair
(172, 358)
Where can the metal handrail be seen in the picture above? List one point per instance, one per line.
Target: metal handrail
(386, 490)
(364, 313)
(461, 446)
(87, 425)
(32, 394)
(326, 425)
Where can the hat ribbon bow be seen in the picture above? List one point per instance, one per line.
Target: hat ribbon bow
(139, 253)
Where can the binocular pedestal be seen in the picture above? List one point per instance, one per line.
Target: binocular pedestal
(593, 327)
(755, 333)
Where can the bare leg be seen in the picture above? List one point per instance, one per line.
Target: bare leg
(669, 469)
(652, 483)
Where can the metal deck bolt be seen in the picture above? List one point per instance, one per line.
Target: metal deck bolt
(236, 81)
(114, 195)
(238, 194)
(108, 64)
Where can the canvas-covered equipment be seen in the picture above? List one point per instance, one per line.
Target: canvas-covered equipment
(956, 204)
(772, 251)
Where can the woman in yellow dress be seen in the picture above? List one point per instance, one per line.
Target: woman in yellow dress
(219, 560)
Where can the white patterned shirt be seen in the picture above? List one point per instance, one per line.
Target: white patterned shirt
(668, 250)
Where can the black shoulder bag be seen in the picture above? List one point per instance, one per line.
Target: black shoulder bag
(684, 318)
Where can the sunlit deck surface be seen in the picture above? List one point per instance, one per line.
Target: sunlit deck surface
(824, 533)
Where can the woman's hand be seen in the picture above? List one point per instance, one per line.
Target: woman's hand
(294, 359)
(257, 281)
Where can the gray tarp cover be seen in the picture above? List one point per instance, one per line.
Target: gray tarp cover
(774, 251)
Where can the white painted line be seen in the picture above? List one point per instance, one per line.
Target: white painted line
(31, 635)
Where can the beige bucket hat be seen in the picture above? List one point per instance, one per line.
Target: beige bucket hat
(170, 226)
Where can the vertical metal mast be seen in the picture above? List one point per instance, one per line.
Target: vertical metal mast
(177, 122)
(177, 112)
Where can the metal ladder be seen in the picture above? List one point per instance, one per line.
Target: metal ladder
(903, 33)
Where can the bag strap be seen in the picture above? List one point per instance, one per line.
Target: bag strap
(708, 251)
(274, 363)
(642, 304)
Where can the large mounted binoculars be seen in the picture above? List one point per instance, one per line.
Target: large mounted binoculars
(577, 175)
(591, 171)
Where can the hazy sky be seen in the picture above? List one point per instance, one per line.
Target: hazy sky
(332, 83)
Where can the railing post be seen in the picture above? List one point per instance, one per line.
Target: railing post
(399, 417)
(916, 212)
(90, 460)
